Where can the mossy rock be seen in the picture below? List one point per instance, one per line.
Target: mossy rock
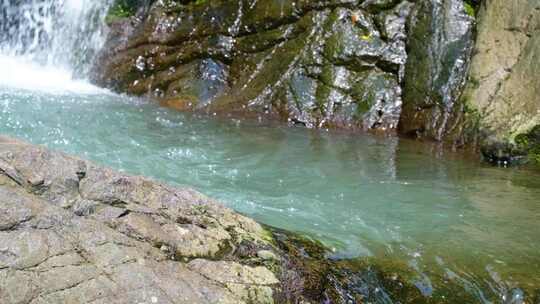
(471, 7)
(530, 143)
(284, 59)
(436, 68)
(122, 9)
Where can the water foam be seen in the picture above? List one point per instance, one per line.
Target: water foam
(21, 73)
(51, 45)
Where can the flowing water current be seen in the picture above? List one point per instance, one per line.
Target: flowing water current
(362, 195)
(444, 217)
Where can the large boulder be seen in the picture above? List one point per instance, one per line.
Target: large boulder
(317, 63)
(503, 91)
(483, 92)
(74, 232)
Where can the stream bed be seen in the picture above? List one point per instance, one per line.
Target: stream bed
(443, 216)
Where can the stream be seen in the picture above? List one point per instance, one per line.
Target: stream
(442, 215)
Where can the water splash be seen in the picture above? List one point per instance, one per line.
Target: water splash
(46, 42)
(21, 73)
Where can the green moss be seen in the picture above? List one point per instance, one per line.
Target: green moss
(469, 9)
(120, 10)
(534, 155)
(474, 83)
(367, 37)
(470, 110)
(522, 140)
(363, 107)
(267, 236)
(530, 143)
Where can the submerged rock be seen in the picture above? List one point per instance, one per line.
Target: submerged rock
(316, 63)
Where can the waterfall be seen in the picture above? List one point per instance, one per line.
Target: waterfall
(60, 35)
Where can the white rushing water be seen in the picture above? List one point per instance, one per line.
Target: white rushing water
(50, 45)
(21, 73)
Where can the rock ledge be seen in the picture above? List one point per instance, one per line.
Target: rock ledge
(74, 232)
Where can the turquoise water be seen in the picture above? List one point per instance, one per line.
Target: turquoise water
(442, 215)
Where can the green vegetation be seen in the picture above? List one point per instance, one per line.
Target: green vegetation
(367, 37)
(469, 9)
(474, 83)
(530, 143)
(121, 9)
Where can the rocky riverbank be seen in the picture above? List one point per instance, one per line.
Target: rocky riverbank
(74, 232)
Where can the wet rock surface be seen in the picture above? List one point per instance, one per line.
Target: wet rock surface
(73, 232)
(454, 71)
(440, 43)
(483, 91)
(316, 63)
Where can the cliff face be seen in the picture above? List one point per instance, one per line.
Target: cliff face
(369, 64)
(439, 46)
(504, 86)
(317, 63)
(498, 104)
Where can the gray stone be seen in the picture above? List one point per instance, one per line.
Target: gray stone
(93, 235)
(300, 61)
(503, 86)
(267, 255)
(440, 43)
